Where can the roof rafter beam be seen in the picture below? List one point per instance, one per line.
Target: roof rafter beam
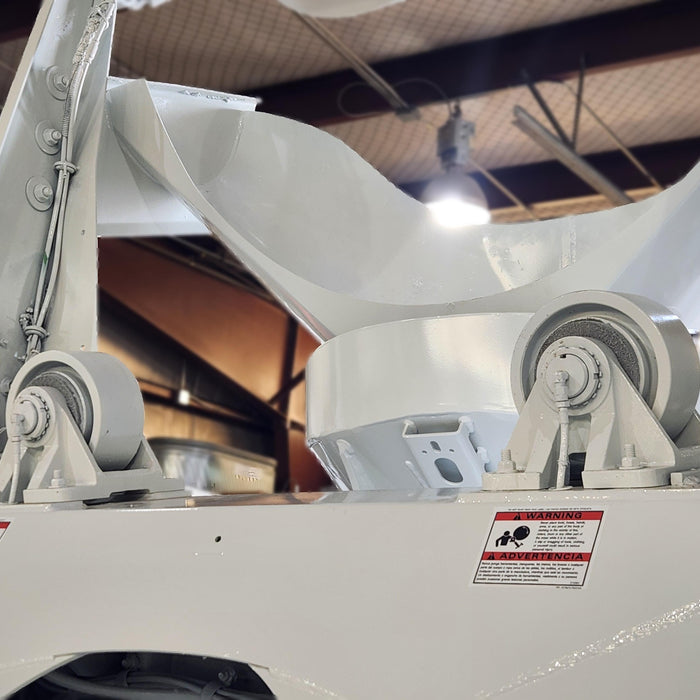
(642, 33)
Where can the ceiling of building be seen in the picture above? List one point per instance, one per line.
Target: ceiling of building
(643, 87)
(405, 152)
(236, 45)
(641, 59)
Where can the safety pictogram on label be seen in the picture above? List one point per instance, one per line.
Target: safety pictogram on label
(4, 524)
(539, 547)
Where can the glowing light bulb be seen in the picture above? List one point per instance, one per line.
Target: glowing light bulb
(452, 212)
(456, 201)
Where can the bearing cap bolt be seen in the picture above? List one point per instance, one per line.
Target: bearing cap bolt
(629, 458)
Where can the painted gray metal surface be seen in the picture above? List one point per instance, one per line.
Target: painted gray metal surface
(342, 248)
(73, 319)
(361, 597)
(356, 596)
(362, 387)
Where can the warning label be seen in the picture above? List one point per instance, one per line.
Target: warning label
(539, 547)
(4, 524)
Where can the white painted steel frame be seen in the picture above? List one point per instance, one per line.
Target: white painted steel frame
(360, 596)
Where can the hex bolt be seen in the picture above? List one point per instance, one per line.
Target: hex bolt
(506, 464)
(39, 193)
(60, 82)
(629, 458)
(561, 387)
(52, 137)
(47, 136)
(58, 481)
(43, 193)
(57, 82)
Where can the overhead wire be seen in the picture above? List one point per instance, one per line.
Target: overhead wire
(407, 81)
(347, 113)
(436, 87)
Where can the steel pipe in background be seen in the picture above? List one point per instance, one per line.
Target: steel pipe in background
(550, 143)
(360, 66)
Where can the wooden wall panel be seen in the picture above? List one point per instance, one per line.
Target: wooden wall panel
(297, 404)
(158, 365)
(306, 344)
(305, 473)
(238, 333)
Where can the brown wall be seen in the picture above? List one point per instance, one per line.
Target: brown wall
(239, 334)
(158, 366)
(236, 332)
(306, 344)
(169, 421)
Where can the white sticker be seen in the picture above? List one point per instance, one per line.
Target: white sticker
(539, 547)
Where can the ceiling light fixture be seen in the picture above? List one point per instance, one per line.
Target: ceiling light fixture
(455, 199)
